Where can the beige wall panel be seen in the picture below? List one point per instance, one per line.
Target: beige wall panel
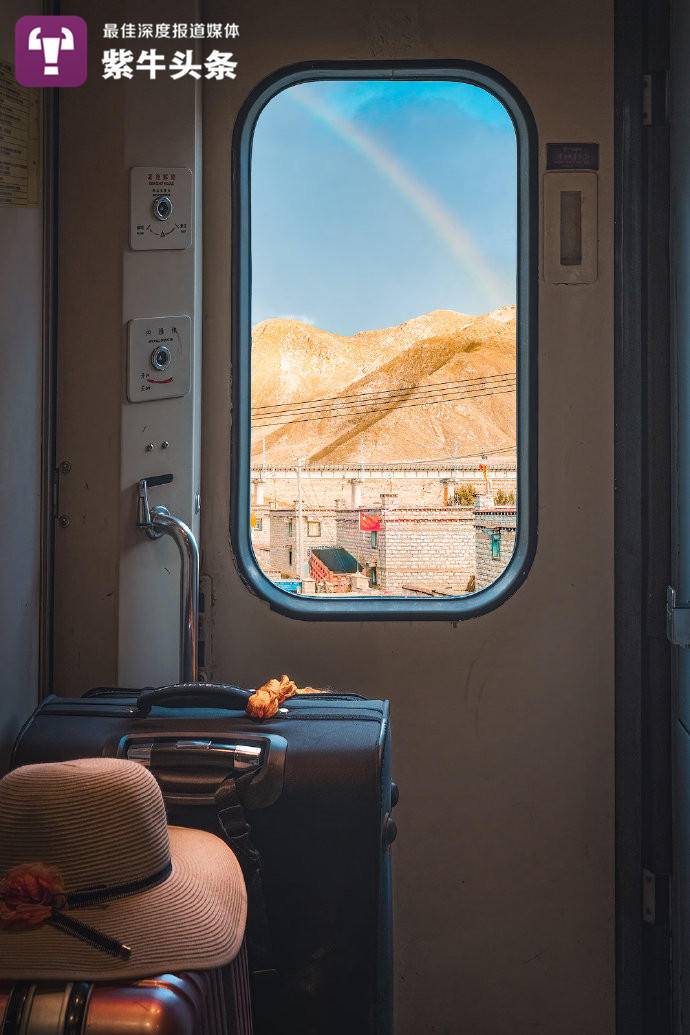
(94, 205)
(503, 726)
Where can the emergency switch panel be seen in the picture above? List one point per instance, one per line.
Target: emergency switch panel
(160, 208)
(160, 358)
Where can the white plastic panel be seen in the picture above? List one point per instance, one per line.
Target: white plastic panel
(159, 358)
(160, 435)
(160, 208)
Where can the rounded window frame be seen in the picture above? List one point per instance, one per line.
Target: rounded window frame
(393, 608)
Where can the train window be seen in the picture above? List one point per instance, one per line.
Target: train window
(384, 329)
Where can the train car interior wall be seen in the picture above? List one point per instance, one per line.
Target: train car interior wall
(345, 480)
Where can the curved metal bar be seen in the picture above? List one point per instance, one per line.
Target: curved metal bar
(162, 522)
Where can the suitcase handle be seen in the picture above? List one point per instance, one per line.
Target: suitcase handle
(169, 761)
(194, 695)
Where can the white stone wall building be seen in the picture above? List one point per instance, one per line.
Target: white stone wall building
(417, 550)
(318, 529)
(261, 537)
(321, 487)
(426, 548)
(494, 530)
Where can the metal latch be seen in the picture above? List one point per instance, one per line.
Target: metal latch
(648, 896)
(655, 91)
(656, 888)
(677, 620)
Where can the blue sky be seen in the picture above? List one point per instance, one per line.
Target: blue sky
(376, 201)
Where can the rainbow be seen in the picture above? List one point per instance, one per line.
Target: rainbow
(424, 201)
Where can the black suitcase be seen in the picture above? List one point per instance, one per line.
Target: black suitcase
(315, 786)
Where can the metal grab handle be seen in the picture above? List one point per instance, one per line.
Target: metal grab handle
(158, 521)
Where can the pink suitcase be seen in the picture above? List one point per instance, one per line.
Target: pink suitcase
(213, 1002)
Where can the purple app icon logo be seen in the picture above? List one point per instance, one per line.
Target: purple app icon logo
(50, 51)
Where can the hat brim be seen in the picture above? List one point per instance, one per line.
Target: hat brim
(194, 920)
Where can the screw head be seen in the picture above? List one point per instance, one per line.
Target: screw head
(165, 444)
(64, 520)
(148, 447)
(65, 467)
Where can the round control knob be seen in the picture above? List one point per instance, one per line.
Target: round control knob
(161, 357)
(162, 207)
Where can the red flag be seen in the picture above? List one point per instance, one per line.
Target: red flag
(367, 523)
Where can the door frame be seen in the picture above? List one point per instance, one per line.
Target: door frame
(642, 521)
(49, 463)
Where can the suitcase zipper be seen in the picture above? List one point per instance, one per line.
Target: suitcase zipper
(286, 712)
(326, 716)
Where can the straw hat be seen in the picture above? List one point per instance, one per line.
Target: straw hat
(94, 885)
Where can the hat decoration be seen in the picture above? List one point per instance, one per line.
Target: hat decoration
(33, 894)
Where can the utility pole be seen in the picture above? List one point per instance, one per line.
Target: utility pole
(300, 536)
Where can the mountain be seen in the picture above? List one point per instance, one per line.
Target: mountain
(440, 385)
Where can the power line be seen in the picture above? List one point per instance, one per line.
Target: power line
(357, 395)
(354, 405)
(298, 403)
(388, 407)
(387, 397)
(384, 408)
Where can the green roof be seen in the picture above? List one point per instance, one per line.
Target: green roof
(337, 559)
